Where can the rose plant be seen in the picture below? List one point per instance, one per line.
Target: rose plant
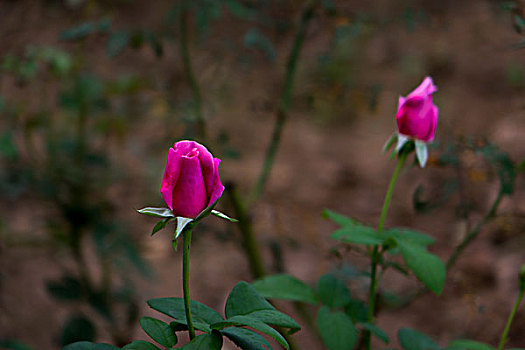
(191, 187)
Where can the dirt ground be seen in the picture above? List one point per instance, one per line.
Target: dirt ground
(330, 157)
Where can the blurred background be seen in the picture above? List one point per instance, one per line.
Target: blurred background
(93, 93)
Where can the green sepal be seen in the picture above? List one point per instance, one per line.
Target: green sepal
(421, 153)
(182, 224)
(223, 216)
(402, 140)
(390, 142)
(157, 212)
(160, 225)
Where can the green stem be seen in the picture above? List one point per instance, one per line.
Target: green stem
(186, 281)
(376, 254)
(188, 68)
(511, 318)
(284, 106)
(248, 237)
(475, 231)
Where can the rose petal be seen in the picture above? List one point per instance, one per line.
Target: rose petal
(208, 168)
(424, 89)
(171, 175)
(217, 189)
(189, 194)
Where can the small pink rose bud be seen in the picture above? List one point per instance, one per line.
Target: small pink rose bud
(416, 115)
(191, 180)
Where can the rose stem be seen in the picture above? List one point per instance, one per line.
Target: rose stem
(511, 318)
(188, 68)
(284, 105)
(376, 254)
(248, 237)
(475, 231)
(186, 280)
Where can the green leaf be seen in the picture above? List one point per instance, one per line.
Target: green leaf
(244, 299)
(85, 29)
(464, 344)
(285, 287)
(413, 340)
(7, 145)
(159, 331)
(357, 310)
(77, 328)
(421, 153)
(68, 288)
(212, 341)
(353, 231)
(239, 10)
(157, 212)
(336, 329)
(246, 339)
(358, 234)
(276, 318)
(427, 267)
(203, 315)
(12, 344)
(333, 292)
(253, 323)
(411, 236)
(340, 219)
(140, 345)
(86, 345)
(223, 216)
(378, 332)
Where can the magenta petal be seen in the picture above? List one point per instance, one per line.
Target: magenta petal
(208, 168)
(184, 147)
(433, 126)
(424, 89)
(217, 188)
(171, 175)
(189, 194)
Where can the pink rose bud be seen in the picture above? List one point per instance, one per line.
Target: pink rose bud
(416, 114)
(191, 180)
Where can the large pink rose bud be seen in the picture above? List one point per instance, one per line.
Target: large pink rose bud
(416, 115)
(191, 180)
